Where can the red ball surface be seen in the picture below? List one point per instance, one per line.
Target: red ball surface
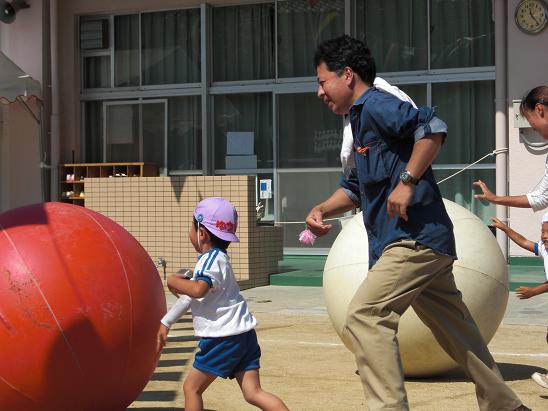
(81, 301)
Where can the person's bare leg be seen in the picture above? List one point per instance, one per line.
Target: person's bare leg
(250, 385)
(194, 386)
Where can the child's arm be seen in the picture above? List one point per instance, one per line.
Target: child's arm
(527, 292)
(180, 307)
(194, 289)
(515, 237)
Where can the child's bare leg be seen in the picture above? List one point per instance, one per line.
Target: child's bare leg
(253, 393)
(194, 386)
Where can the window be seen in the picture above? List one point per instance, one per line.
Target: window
(243, 42)
(309, 133)
(126, 50)
(243, 131)
(302, 25)
(395, 32)
(170, 47)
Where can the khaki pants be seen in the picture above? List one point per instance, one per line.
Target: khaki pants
(409, 274)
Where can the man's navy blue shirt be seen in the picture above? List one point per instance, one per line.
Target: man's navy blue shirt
(389, 127)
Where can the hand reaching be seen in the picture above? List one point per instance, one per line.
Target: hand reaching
(498, 224)
(161, 337)
(486, 194)
(524, 293)
(314, 221)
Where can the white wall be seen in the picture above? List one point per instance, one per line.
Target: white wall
(527, 68)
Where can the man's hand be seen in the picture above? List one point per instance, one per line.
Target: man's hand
(486, 195)
(524, 293)
(314, 221)
(161, 337)
(399, 199)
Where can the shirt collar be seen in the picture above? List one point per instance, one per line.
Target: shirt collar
(360, 101)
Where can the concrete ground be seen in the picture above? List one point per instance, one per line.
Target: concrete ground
(306, 365)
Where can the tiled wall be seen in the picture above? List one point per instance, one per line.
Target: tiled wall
(157, 211)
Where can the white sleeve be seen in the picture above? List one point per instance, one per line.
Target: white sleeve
(178, 309)
(382, 84)
(538, 198)
(347, 157)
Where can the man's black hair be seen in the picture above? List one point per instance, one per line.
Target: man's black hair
(216, 241)
(345, 51)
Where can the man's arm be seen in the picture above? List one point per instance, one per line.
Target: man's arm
(528, 292)
(424, 152)
(520, 201)
(339, 202)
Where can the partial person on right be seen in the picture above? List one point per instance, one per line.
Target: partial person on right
(534, 107)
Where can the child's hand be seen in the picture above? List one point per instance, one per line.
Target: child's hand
(524, 293)
(498, 224)
(161, 338)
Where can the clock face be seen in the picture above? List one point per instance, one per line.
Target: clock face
(531, 16)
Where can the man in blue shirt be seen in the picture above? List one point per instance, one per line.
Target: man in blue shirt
(411, 242)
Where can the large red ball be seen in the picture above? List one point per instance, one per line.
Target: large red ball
(81, 302)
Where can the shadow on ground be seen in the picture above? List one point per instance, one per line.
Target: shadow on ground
(509, 371)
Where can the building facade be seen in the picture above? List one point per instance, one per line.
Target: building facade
(229, 88)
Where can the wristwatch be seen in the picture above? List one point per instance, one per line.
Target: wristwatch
(406, 177)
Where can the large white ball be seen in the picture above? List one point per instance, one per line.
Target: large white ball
(480, 273)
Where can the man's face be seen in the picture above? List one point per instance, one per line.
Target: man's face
(334, 90)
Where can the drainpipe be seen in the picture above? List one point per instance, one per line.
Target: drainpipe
(54, 95)
(501, 110)
(45, 132)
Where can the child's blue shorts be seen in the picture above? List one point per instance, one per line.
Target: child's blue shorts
(226, 356)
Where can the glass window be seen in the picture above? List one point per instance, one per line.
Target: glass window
(126, 50)
(93, 129)
(460, 190)
(96, 72)
(171, 47)
(310, 135)
(395, 32)
(417, 92)
(302, 25)
(184, 133)
(299, 192)
(243, 131)
(243, 42)
(122, 132)
(467, 108)
(93, 33)
(462, 33)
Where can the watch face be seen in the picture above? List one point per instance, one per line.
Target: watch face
(531, 16)
(405, 176)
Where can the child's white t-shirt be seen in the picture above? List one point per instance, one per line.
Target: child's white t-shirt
(540, 250)
(223, 310)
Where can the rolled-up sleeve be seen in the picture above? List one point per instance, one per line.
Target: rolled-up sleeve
(538, 198)
(351, 186)
(434, 125)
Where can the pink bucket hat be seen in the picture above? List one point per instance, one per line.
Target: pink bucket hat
(219, 216)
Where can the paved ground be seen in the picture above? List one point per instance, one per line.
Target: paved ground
(305, 363)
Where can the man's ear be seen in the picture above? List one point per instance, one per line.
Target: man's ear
(348, 75)
(541, 109)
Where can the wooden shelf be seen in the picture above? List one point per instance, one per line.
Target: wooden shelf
(79, 172)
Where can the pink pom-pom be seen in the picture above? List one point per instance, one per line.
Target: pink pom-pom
(307, 237)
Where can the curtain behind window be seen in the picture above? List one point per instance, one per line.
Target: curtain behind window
(302, 25)
(243, 42)
(184, 133)
(93, 129)
(250, 112)
(310, 135)
(467, 108)
(171, 47)
(462, 33)
(126, 50)
(395, 32)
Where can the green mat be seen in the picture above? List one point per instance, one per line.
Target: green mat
(308, 271)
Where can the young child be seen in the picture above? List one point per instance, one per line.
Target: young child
(228, 344)
(540, 249)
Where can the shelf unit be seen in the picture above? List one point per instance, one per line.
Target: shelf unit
(73, 176)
